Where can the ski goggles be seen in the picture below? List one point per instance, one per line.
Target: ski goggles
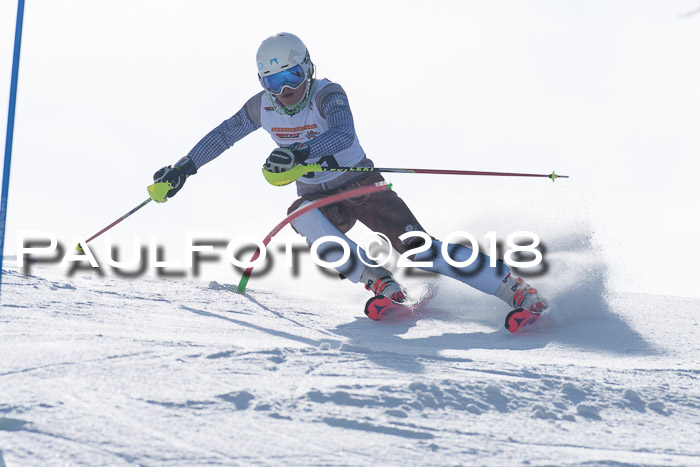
(292, 78)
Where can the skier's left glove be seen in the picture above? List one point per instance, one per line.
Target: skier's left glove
(283, 159)
(175, 174)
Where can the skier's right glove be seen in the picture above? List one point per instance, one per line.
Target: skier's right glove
(283, 159)
(175, 175)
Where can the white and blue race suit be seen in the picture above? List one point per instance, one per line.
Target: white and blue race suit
(326, 125)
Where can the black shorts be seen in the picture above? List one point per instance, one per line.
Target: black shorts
(382, 212)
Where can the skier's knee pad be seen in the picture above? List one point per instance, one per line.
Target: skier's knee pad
(314, 225)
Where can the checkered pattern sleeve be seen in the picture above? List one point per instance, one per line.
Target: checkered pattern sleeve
(341, 127)
(222, 137)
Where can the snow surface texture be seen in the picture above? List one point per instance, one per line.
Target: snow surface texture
(113, 371)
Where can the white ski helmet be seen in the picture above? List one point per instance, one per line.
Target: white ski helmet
(279, 56)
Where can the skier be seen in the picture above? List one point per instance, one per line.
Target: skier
(311, 122)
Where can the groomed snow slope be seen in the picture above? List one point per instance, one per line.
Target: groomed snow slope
(151, 371)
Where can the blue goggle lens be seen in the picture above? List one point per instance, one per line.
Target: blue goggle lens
(293, 78)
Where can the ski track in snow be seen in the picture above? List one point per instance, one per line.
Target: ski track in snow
(113, 371)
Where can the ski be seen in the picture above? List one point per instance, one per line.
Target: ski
(520, 318)
(381, 307)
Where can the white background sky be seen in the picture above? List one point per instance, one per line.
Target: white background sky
(604, 91)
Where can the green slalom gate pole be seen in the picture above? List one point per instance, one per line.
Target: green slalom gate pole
(377, 187)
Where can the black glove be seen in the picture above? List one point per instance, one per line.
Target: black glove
(283, 159)
(175, 174)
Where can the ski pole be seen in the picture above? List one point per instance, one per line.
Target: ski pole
(157, 192)
(285, 178)
(79, 248)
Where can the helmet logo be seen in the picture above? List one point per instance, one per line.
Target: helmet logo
(273, 60)
(260, 66)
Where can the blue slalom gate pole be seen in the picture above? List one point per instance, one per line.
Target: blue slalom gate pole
(10, 129)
